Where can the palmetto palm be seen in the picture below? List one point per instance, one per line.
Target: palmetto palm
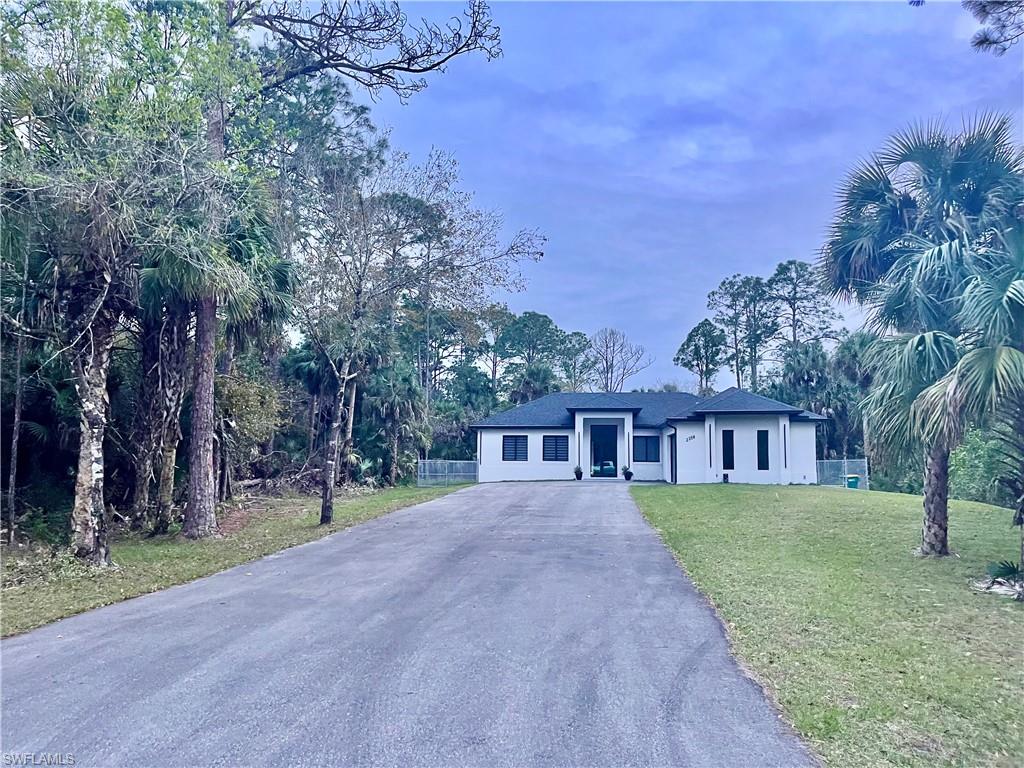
(536, 380)
(987, 381)
(397, 400)
(923, 187)
(904, 242)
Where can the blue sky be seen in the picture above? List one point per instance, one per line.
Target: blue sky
(662, 147)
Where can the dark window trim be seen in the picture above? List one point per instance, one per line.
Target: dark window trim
(560, 449)
(729, 451)
(762, 454)
(510, 445)
(646, 449)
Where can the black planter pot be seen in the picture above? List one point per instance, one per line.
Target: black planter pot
(579, 474)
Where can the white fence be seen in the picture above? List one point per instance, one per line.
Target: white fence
(836, 472)
(434, 472)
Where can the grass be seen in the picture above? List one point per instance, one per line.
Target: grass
(878, 657)
(39, 588)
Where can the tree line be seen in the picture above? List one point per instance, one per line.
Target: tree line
(185, 188)
(217, 270)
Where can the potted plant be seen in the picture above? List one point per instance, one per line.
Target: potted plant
(627, 473)
(578, 471)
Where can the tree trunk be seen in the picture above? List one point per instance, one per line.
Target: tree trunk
(201, 509)
(737, 360)
(174, 354)
(225, 367)
(330, 460)
(753, 371)
(165, 488)
(393, 469)
(200, 514)
(224, 477)
(147, 419)
(313, 419)
(91, 364)
(350, 420)
(936, 498)
(19, 395)
(216, 463)
(140, 489)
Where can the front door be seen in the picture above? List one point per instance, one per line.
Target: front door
(604, 439)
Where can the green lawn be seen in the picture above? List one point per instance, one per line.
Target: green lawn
(38, 589)
(876, 656)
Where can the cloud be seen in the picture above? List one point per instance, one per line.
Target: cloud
(582, 130)
(662, 147)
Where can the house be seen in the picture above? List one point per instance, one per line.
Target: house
(734, 436)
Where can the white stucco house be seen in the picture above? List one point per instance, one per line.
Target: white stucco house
(734, 436)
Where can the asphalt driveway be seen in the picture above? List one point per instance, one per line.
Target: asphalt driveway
(513, 624)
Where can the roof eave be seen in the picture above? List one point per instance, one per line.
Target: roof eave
(603, 408)
(520, 426)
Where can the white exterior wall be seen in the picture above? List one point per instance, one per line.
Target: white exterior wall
(745, 449)
(803, 464)
(490, 467)
(691, 453)
(644, 470)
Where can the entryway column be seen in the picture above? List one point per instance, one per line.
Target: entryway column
(578, 422)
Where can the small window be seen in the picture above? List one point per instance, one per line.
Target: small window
(728, 450)
(646, 449)
(513, 448)
(762, 449)
(556, 447)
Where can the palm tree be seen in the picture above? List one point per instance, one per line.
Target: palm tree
(987, 381)
(923, 183)
(252, 318)
(396, 399)
(901, 242)
(536, 381)
(250, 284)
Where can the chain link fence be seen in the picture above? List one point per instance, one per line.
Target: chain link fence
(839, 472)
(435, 472)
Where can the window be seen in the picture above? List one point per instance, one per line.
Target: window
(513, 448)
(646, 449)
(762, 449)
(556, 447)
(728, 450)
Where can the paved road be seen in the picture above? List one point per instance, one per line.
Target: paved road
(530, 624)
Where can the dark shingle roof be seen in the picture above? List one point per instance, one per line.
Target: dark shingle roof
(808, 416)
(733, 400)
(555, 410)
(651, 409)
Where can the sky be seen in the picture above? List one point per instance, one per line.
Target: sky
(663, 147)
